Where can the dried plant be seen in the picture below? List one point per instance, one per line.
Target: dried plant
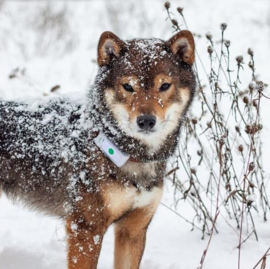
(222, 142)
(262, 261)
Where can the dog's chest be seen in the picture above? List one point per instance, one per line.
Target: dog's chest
(121, 200)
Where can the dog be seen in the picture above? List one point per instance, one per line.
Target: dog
(50, 159)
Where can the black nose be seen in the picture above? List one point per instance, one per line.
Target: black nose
(146, 122)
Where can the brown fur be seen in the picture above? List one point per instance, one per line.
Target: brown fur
(130, 229)
(86, 188)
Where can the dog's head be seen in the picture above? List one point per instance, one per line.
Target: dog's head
(147, 84)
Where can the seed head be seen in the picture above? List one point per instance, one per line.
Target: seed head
(239, 59)
(227, 43)
(180, 10)
(237, 129)
(223, 26)
(251, 166)
(249, 202)
(245, 100)
(253, 129)
(210, 50)
(259, 86)
(248, 129)
(167, 5)
(174, 22)
(194, 121)
(240, 148)
(254, 103)
(250, 52)
(193, 171)
(55, 88)
(209, 36)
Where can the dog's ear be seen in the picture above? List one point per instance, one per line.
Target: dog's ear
(109, 46)
(182, 44)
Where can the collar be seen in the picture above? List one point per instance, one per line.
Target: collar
(116, 155)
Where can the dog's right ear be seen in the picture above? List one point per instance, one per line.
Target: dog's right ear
(109, 46)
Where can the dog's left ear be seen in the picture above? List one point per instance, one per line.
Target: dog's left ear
(109, 46)
(183, 45)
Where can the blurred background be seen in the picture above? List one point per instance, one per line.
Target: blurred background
(50, 48)
(49, 43)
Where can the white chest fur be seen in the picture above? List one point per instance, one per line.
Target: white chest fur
(120, 200)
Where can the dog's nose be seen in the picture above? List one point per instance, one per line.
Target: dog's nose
(146, 122)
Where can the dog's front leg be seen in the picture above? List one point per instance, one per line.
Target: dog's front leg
(84, 243)
(130, 237)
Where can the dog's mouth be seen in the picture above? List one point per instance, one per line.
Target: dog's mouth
(146, 132)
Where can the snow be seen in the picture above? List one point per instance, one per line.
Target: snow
(66, 56)
(39, 242)
(96, 239)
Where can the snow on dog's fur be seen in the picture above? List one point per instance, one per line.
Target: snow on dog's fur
(49, 160)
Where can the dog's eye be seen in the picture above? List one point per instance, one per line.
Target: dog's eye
(128, 87)
(164, 87)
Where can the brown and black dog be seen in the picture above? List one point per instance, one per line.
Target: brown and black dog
(49, 161)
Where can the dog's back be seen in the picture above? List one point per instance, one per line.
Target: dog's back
(41, 148)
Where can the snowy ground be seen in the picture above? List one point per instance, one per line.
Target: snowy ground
(56, 44)
(31, 241)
